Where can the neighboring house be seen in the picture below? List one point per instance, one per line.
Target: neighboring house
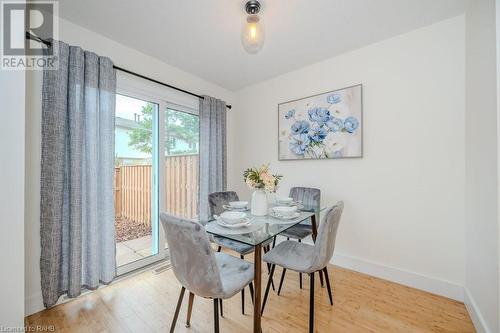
(126, 154)
(181, 147)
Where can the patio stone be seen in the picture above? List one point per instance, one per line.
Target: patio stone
(127, 258)
(139, 243)
(122, 249)
(144, 252)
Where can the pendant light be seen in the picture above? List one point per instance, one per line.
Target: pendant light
(252, 34)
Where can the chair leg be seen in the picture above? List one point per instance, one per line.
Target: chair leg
(190, 309)
(321, 279)
(250, 286)
(300, 274)
(281, 280)
(177, 308)
(216, 315)
(268, 272)
(311, 304)
(219, 248)
(325, 270)
(220, 305)
(274, 242)
(267, 289)
(266, 249)
(242, 295)
(243, 301)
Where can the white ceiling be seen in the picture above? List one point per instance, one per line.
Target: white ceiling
(203, 36)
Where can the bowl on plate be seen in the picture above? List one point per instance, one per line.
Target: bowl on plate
(232, 217)
(238, 204)
(284, 200)
(285, 210)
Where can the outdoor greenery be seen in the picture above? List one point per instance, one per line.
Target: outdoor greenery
(179, 126)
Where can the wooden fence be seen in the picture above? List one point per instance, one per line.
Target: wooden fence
(133, 185)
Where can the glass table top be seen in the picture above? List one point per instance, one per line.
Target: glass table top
(261, 228)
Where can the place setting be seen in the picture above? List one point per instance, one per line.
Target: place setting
(234, 222)
(238, 206)
(285, 211)
(287, 202)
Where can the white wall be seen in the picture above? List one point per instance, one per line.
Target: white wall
(404, 200)
(482, 247)
(123, 57)
(12, 94)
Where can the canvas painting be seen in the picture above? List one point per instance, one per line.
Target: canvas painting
(324, 126)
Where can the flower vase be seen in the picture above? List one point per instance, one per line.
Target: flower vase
(259, 203)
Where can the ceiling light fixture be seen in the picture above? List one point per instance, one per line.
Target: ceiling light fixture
(252, 34)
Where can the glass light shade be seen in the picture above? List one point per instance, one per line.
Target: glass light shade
(252, 34)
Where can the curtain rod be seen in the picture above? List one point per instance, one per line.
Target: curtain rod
(162, 83)
(49, 44)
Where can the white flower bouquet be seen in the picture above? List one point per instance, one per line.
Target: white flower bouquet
(261, 179)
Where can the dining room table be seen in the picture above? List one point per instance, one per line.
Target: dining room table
(259, 230)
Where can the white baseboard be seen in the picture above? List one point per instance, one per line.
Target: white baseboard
(411, 279)
(404, 277)
(475, 315)
(33, 304)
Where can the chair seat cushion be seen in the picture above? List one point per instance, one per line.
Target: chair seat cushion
(291, 255)
(298, 231)
(236, 246)
(235, 274)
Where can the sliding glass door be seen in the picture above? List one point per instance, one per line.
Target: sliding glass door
(136, 185)
(156, 170)
(181, 161)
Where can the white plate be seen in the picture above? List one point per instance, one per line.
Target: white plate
(238, 204)
(281, 217)
(284, 200)
(245, 223)
(227, 207)
(293, 203)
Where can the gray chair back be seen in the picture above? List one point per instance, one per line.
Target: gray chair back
(325, 241)
(217, 200)
(308, 196)
(191, 255)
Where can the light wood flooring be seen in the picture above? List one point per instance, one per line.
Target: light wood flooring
(146, 302)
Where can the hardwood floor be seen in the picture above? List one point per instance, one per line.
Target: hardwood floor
(146, 303)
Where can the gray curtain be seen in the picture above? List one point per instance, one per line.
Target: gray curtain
(77, 170)
(212, 151)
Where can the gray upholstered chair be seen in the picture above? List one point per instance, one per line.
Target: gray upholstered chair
(199, 269)
(216, 202)
(311, 198)
(308, 259)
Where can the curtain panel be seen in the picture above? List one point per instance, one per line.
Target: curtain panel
(213, 162)
(77, 174)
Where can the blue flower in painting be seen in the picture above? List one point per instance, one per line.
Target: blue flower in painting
(300, 127)
(290, 114)
(350, 124)
(318, 134)
(334, 98)
(319, 115)
(299, 143)
(335, 124)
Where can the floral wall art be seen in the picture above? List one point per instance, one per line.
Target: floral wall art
(323, 126)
